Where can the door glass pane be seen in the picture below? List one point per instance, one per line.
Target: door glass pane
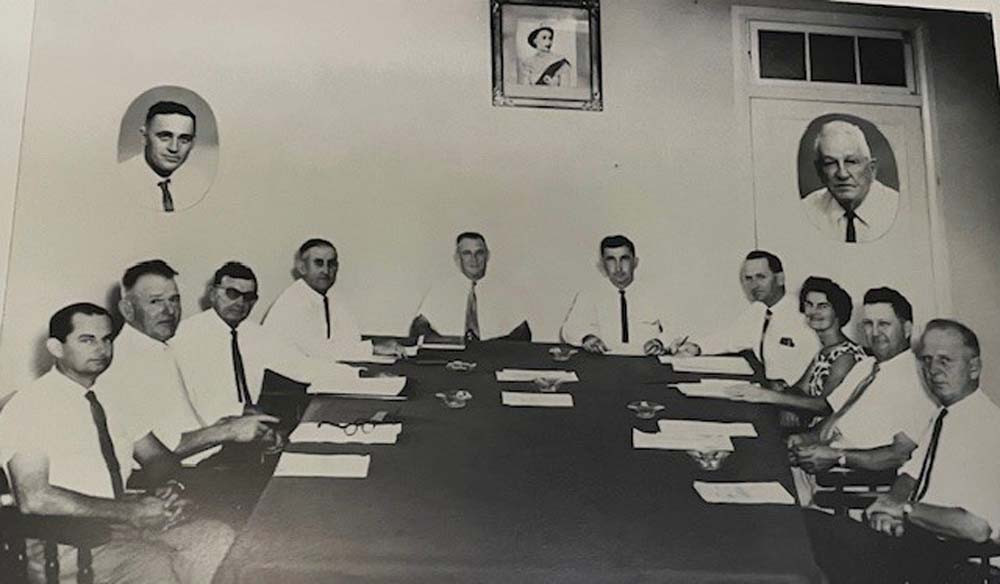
(782, 54)
(831, 58)
(882, 61)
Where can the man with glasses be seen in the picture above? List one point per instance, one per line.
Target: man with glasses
(853, 206)
(223, 355)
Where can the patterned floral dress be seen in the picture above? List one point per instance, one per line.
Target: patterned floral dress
(822, 362)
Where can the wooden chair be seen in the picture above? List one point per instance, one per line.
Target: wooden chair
(842, 490)
(977, 568)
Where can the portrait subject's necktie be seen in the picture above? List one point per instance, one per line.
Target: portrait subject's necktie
(763, 334)
(168, 200)
(924, 480)
(852, 235)
(623, 305)
(107, 446)
(242, 391)
(472, 315)
(326, 313)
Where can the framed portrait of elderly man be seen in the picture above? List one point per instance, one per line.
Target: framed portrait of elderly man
(547, 53)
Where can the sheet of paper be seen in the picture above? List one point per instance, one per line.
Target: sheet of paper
(542, 400)
(346, 466)
(665, 441)
(314, 432)
(702, 428)
(532, 374)
(373, 386)
(747, 392)
(376, 359)
(746, 493)
(708, 364)
(626, 349)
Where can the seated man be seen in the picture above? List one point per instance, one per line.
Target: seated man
(309, 314)
(222, 355)
(67, 455)
(144, 381)
(623, 315)
(945, 495)
(771, 326)
(883, 410)
(466, 305)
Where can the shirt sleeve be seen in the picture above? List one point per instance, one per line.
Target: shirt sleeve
(287, 360)
(580, 321)
(740, 335)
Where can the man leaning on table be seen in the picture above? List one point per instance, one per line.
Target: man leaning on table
(618, 313)
(465, 304)
(69, 455)
(772, 326)
(884, 412)
(945, 495)
(223, 355)
(312, 317)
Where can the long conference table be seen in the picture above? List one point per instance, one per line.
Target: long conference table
(492, 493)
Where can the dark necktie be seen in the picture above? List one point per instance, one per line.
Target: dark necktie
(852, 235)
(326, 313)
(624, 311)
(107, 446)
(242, 392)
(168, 201)
(925, 469)
(472, 315)
(763, 334)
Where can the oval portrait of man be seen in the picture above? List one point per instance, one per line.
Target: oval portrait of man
(168, 150)
(848, 179)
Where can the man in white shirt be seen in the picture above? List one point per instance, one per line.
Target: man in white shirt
(853, 206)
(316, 320)
(144, 381)
(945, 495)
(619, 314)
(772, 326)
(222, 355)
(465, 304)
(885, 411)
(68, 455)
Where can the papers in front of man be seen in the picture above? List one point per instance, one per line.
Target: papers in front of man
(733, 391)
(539, 400)
(625, 349)
(352, 433)
(365, 386)
(702, 428)
(745, 493)
(708, 364)
(533, 374)
(374, 359)
(343, 466)
(680, 441)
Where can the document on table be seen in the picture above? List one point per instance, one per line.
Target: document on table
(708, 364)
(748, 392)
(543, 400)
(443, 346)
(375, 359)
(367, 386)
(625, 349)
(346, 466)
(701, 428)
(533, 374)
(745, 493)
(341, 434)
(671, 441)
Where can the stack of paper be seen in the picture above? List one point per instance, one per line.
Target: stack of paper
(700, 428)
(367, 386)
(533, 374)
(680, 441)
(544, 400)
(708, 364)
(316, 432)
(747, 392)
(747, 493)
(348, 466)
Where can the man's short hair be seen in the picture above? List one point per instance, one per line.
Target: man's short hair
(885, 295)
(234, 270)
(155, 267)
(772, 260)
(469, 235)
(842, 127)
(314, 242)
(61, 323)
(169, 107)
(969, 338)
(616, 241)
(841, 301)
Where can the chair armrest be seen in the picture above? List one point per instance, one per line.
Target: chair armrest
(837, 478)
(79, 532)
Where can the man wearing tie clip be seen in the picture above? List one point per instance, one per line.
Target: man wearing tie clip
(619, 314)
(945, 495)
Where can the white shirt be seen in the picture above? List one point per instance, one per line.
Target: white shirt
(894, 403)
(141, 184)
(298, 317)
(51, 417)
(873, 218)
(597, 311)
(444, 306)
(202, 346)
(966, 470)
(789, 345)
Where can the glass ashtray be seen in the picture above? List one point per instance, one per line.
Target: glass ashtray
(709, 459)
(547, 384)
(562, 354)
(454, 399)
(645, 410)
(460, 366)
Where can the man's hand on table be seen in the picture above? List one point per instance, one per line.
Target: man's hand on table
(247, 428)
(886, 515)
(683, 348)
(654, 347)
(816, 457)
(389, 348)
(594, 344)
